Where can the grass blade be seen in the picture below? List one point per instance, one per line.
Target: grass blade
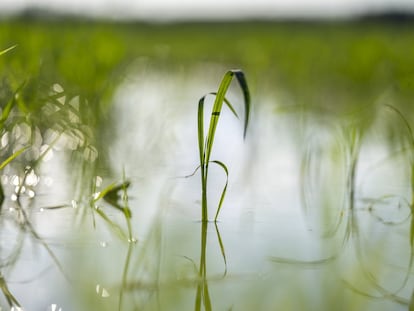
(215, 114)
(223, 251)
(7, 50)
(12, 157)
(241, 78)
(205, 144)
(223, 194)
(200, 122)
(226, 101)
(10, 104)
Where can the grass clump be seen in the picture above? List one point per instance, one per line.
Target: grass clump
(205, 144)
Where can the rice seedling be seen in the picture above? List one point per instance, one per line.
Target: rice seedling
(205, 144)
(116, 196)
(4, 116)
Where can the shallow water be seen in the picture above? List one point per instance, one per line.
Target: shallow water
(290, 234)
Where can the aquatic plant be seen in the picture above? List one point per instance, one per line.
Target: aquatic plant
(3, 117)
(205, 144)
(115, 195)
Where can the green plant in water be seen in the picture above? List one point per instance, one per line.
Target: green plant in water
(115, 195)
(205, 144)
(3, 117)
(411, 158)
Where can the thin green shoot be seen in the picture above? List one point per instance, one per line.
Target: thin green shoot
(111, 194)
(4, 164)
(205, 144)
(11, 300)
(7, 50)
(222, 250)
(12, 157)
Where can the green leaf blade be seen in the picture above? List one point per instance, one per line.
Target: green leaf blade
(241, 78)
(12, 157)
(7, 50)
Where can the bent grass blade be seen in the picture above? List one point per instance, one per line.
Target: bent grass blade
(223, 194)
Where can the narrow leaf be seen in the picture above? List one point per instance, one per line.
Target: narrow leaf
(200, 122)
(7, 50)
(241, 78)
(12, 157)
(193, 173)
(215, 114)
(223, 252)
(7, 109)
(115, 227)
(223, 194)
(227, 102)
(104, 192)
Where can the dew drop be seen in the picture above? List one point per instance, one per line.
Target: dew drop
(54, 307)
(15, 180)
(102, 291)
(98, 181)
(32, 179)
(103, 244)
(31, 193)
(4, 141)
(57, 88)
(18, 189)
(74, 204)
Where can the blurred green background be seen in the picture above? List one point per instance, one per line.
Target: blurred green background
(321, 63)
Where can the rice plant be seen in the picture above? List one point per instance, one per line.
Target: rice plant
(205, 144)
(3, 117)
(116, 196)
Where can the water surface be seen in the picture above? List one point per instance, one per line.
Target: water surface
(317, 213)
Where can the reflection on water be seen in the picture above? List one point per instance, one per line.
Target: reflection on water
(317, 214)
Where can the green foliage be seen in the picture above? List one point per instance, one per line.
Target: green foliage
(205, 145)
(329, 64)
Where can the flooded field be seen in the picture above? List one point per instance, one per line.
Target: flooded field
(317, 212)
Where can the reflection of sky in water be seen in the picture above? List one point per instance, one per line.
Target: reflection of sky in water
(263, 216)
(263, 212)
